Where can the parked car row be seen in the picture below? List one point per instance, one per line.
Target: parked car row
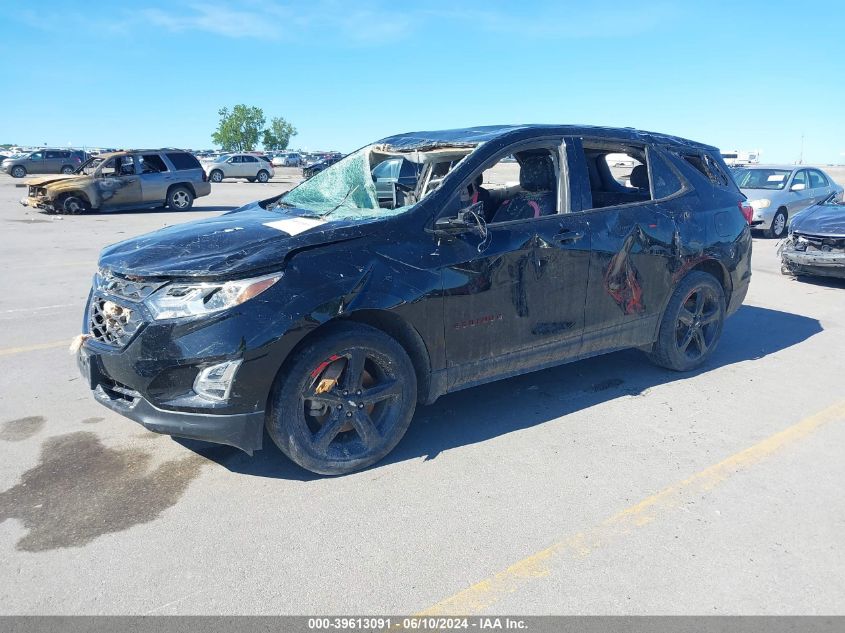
(44, 161)
(131, 179)
(778, 192)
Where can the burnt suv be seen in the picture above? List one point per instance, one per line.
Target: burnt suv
(123, 180)
(327, 314)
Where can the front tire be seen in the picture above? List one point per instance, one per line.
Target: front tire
(72, 205)
(778, 227)
(692, 323)
(344, 401)
(180, 199)
(18, 171)
(263, 176)
(216, 176)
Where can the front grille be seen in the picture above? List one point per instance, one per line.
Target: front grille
(823, 243)
(112, 323)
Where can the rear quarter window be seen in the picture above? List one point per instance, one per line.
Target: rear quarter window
(664, 181)
(183, 160)
(710, 169)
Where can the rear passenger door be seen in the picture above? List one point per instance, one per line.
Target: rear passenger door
(155, 178)
(52, 161)
(250, 166)
(802, 198)
(632, 231)
(819, 186)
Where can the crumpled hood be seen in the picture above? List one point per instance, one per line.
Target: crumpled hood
(821, 219)
(44, 180)
(229, 245)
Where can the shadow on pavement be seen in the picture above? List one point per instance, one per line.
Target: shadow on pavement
(825, 282)
(479, 414)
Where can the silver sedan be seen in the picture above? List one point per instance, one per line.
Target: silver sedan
(776, 193)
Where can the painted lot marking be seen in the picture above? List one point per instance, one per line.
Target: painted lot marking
(484, 594)
(8, 351)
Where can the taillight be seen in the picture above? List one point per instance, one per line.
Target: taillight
(747, 210)
(204, 176)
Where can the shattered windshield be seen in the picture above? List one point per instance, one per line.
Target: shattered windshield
(345, 190)
(355, 187)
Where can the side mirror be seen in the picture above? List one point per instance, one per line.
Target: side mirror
(451, 226)
(464, 223)
(799, 186)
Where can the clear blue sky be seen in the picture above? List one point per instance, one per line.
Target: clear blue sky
(742, 74)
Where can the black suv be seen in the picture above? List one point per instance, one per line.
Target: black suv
(327, 314)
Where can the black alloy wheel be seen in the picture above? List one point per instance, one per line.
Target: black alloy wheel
(692, 323)
(344, 402)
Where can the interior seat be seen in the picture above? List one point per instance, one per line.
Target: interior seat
(538, 197)
(639, 178)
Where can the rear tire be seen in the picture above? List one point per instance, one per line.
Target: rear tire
(180, 199)
(18, 171)
(67, 169)
(263, 176)
(778, 227)
(335, 426)
(216, 176)
(691, 325)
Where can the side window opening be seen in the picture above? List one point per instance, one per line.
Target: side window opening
(125, 165)
(664, 181)
(618, 173)
(183, 160)
(708, 167)
(110, 168)
(817, 180)
(152, 164)
(517, 187)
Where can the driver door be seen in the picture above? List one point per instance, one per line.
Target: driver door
(514, 299)
(36, 163)
(119, 183)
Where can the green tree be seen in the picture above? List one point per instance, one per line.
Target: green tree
(240, 129)
(278, 135)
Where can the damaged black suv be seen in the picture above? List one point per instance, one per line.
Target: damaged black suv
(326, 314)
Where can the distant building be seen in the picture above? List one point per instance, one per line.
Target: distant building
(740, 157)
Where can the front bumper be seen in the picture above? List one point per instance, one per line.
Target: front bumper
(241, 430)
(37, 203)
(823, 264)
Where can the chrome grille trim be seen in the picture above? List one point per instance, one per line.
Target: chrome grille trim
(112, 323)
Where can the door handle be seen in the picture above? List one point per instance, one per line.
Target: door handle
(565, 237)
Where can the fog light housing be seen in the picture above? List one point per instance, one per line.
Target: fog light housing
(215, 382)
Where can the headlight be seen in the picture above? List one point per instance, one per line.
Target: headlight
(186, 299)
(762, 203)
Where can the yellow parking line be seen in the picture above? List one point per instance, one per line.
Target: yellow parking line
(32, 348)
(482, 595)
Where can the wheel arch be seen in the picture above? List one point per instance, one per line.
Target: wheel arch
(79, 193)
(187, 185)
(391, 324)
(716, 269)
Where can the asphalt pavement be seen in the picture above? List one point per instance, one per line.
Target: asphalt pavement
(607, 486)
